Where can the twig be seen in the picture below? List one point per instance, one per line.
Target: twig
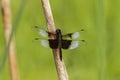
(6, 13)
(61, 69)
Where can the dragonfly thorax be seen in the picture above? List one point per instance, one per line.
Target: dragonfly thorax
(58, 35)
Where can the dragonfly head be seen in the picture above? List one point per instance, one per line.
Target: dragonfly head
(58, 31)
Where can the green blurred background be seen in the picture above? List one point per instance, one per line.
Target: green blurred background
(87, 62)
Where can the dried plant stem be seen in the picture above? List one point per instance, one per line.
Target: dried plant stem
(61, 69)
(6, 12)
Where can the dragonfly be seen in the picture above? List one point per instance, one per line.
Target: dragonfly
(66, 41)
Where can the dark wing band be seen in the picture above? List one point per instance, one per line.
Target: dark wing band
(73, 35)
(72, 44)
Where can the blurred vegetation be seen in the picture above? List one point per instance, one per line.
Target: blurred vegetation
(84, 63)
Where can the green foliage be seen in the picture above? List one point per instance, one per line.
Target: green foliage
(101, 21)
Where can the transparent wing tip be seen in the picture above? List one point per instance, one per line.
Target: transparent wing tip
(44, 43)
(75, 35)
(43, 33)
(74, 44)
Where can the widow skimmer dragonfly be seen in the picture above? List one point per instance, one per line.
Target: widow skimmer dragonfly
(67, 41)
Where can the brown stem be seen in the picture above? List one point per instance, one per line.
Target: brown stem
(7, 21)
(61, 69)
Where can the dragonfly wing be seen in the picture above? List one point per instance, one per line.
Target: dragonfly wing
(45, 43)
(73, 35)
(53, 43)
(71, 44)
(50, 43)
(66, 44)
(74, 44)
(43, 33)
